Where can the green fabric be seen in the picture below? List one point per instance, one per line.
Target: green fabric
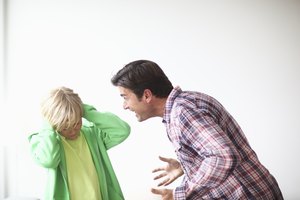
(102, 132)
(83, 180)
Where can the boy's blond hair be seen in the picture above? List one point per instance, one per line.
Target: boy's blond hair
(62, 108)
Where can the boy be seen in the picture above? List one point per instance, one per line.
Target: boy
(73, 145)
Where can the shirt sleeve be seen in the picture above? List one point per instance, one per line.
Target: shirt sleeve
(113, 129)
(44, 147)
(207, 154)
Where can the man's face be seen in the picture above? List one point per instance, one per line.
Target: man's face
(72, 133)
(140, 107)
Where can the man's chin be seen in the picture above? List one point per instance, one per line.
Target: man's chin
(139, 119)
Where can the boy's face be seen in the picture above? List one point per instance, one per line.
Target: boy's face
(72, 133)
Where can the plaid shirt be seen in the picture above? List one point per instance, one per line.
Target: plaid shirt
(216, 158)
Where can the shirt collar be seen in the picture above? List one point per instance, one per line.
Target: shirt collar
(169, 103)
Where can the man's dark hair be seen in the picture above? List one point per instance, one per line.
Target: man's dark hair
(143, 74)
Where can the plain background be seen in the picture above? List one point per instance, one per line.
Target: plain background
(244, 53)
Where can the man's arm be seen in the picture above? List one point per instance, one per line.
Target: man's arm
(216, 156)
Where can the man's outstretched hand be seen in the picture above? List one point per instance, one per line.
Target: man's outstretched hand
(166, 194)
(170, 172)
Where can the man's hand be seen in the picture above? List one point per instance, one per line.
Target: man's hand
(166, 194)
(170, 172)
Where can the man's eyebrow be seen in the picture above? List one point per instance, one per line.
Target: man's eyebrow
(122, 95)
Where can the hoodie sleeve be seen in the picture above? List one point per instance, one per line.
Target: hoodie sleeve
(113, 129)
(44, 147)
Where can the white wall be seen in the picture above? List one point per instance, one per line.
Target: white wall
(244, 53)
(2, 174)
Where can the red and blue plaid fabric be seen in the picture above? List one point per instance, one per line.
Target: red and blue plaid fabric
(215, 155)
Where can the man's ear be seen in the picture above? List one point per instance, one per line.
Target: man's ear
(147, 95)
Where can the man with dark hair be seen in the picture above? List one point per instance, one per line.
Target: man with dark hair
(213, 153)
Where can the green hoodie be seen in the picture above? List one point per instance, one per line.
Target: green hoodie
(102, 132)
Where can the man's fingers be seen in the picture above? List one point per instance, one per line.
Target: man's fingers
(168, 182)
(164, 159)
(157, 191)
(164, 182)
(158, 169)
(160, 176)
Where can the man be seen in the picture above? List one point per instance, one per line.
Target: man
(212, 150)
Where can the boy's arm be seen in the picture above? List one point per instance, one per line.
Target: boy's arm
(44, 147)
(114, 129)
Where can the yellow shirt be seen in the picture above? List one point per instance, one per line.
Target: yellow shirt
(82, 177)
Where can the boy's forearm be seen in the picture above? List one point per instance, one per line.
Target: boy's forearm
(105, 120)
(45, 148)
(110, 124)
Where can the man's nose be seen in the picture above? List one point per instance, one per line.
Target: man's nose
(125, 106)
